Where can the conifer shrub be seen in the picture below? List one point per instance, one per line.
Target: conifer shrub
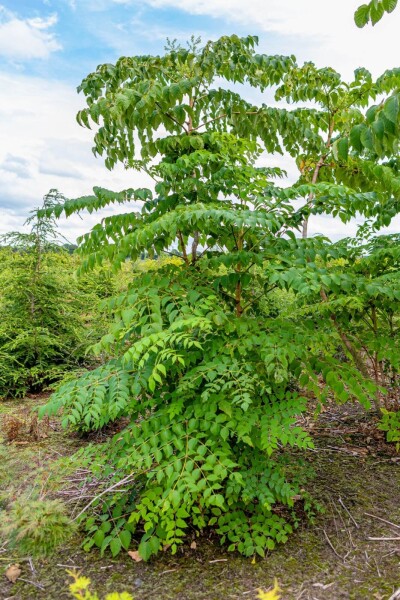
(36, 527)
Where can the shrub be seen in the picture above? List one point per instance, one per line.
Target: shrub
(48, 317)
(211, 374)
(36, 527)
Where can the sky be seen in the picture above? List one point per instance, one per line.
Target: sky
(48, 46)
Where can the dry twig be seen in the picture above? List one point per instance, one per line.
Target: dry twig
(348, 512)
(331, 545)
(383, 520)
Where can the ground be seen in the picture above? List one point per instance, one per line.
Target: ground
(357, 481)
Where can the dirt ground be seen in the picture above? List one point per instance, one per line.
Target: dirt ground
(352, 552)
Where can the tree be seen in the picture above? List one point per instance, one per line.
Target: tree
(43, 309)
(211, 381)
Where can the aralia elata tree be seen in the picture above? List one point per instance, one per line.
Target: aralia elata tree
(212, 384)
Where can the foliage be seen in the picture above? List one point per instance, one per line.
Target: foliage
(390, 422)
(79, 589)
(36, 527)
(47, 316)
(347, 141)
(211, 380)
(373, 11)
(362, 297)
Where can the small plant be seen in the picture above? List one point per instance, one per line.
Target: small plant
(37, 527)
(390, 422)
(11, 427)
(79, 589)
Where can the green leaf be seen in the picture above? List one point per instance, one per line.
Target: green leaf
(125, 536)
(115, 546)
(355, 137)
(361, 16)
(391, 108)
(99, 537)
(145, 550)
(376, 12)
(367, 138)
(389, 5)
(343, 148)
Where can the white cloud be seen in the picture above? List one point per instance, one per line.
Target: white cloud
(40, 138)
(16, 164)
(43, 147)
(24, 39)
(312, 30)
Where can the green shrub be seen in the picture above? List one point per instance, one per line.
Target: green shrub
(211, 370)
(36, 527)
(48, 317)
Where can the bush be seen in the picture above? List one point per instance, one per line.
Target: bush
(48, 317)
(36, 527)
(211, 370)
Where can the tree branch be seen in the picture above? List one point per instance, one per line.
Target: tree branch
(167, 114)
(183, 247)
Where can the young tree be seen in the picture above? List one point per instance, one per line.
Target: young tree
(212, 383)
(43, 331)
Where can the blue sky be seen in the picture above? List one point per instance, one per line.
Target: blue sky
(48, 46)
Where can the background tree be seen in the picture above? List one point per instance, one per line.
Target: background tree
(45, 312)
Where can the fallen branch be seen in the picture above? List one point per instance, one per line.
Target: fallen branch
(383, 520)
(384, 539)
(112, 487)
(348, 512)
(38, 585)
(331, 545)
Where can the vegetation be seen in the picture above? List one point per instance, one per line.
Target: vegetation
(48, 317)
(37, 527)
(373, 11)
(212, 384)
(80, 590)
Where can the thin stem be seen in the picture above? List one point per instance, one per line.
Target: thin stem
(316, 174)
(183, 247)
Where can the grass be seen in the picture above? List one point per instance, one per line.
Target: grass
(357, 473)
